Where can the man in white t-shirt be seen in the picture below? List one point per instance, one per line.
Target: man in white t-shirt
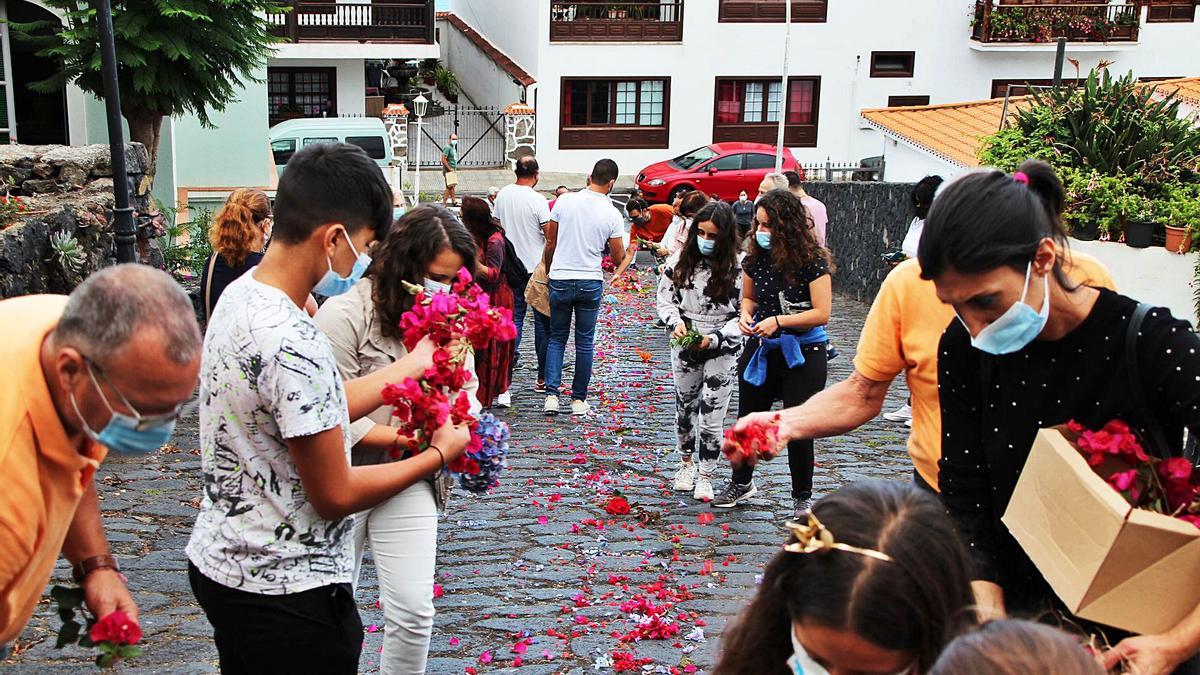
(523, 213)
(581, 225)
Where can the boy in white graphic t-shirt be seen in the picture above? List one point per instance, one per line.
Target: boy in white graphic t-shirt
(271, 554)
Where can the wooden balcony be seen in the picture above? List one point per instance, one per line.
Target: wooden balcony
(660, 21)
(405, 21)
(1029, 22)
(772, 11)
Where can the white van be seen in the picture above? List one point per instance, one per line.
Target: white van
(367, 133)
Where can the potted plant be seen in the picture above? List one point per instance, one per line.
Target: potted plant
(427, 70)
(1137, 212)
(1178, 209)
(1082, 216)
(1124, 25)
(447, 83)
(1181, 222)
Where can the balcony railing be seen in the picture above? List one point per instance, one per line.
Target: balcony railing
(660, 21)
(1046, 22)
(395, 21)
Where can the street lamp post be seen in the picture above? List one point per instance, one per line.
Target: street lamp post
(783, 93)
(421, 106)
(126, 234)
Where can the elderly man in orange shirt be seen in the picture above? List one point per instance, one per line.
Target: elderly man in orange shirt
(106, 368)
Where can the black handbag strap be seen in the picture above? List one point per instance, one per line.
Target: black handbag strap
(1137, 393)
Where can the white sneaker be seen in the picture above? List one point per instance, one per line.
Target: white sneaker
(685, 477)
(901, 414)
(908, 423)
(504, 400)
(580, 407)
(551, 407)
(704, 488)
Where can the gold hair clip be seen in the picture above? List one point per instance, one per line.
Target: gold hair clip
(815, 537)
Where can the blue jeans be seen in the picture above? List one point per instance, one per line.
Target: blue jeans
(581, 298)
(519, 309)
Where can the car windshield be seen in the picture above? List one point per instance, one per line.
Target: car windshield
(693, 158)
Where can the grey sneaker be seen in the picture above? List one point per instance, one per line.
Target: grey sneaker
(685, 477)
(733, 494)
(800, 508)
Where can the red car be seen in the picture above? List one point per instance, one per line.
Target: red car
(721, 168)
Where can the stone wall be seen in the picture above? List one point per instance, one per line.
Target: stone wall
(68, 193)
(866, 220)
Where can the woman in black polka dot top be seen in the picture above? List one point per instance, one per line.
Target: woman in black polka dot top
(1032, 350)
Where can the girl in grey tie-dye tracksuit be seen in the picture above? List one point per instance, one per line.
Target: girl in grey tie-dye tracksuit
(699, 291)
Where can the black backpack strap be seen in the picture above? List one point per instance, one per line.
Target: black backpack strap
(1137, 394)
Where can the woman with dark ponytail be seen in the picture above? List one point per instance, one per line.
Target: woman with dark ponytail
(872, 580)
(1030, 350)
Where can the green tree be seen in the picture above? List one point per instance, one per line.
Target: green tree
(174, 57)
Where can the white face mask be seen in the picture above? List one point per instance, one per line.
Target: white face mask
(434, 287)
(801, 663)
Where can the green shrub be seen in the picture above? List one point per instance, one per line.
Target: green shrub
(187, 258)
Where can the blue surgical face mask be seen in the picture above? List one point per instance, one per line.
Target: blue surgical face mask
(131, 435)
(763, 239)
(333, 284)
(706, 246)
(1017, 327)
(397, 212)
(434, 287)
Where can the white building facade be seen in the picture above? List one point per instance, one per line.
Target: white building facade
(644, 81)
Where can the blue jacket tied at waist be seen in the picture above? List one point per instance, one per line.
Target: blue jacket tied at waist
(790, 343)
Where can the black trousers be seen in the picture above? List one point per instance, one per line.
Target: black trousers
(793, 386)
(315, 631)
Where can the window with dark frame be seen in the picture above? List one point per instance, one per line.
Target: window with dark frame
(749, 108)
(771, 11)
(304, 92)
(599, 113)
(906, 101)
(610, 103)
(893, 64)
(1171, 11)
(1000, 88)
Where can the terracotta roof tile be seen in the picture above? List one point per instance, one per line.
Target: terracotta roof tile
(1188, 88)
(506, 64)
(951, 131)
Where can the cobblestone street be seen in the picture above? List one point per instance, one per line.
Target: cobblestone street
(535, 573)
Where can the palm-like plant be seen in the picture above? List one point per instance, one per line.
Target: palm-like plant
(1115, 126)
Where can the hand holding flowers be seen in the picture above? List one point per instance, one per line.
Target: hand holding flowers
(115, 635)
(755, 437)
(451, 324)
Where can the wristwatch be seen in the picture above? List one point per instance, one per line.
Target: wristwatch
(81, 569)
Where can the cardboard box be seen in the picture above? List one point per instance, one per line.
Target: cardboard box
(1109, 563)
